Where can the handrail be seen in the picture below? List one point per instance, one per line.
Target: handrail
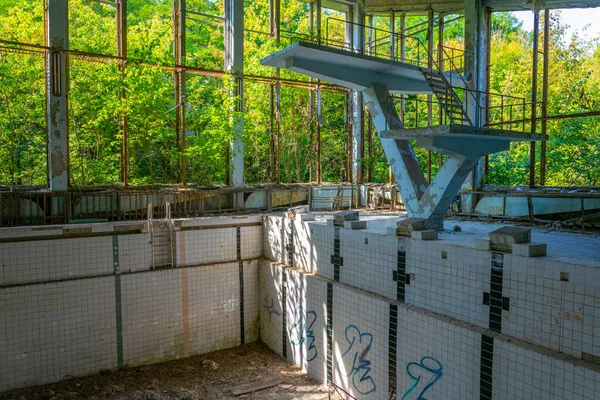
(457, 87)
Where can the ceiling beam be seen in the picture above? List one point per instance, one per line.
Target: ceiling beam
(377, 6)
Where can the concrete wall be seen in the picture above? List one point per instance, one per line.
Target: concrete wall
(491, 325)
(75, 300)
(374, 314)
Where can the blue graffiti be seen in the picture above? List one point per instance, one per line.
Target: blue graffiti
(425, 373)
(305, 332)
(361, 366)
(270, 307)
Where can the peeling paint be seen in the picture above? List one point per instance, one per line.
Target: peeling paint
(58, 163)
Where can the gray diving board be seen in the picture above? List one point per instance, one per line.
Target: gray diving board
(351, 70)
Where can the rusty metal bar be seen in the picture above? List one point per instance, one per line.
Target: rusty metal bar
(319, 121)
(545, 95)
(430, 96)
(179, 36)
(121, 22)
(536, 30)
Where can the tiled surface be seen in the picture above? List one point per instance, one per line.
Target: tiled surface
(214, 307)
(306, 324)
(437, 357)
(271, 319)
(206, 246)
(432, 350)
(449, 280)
(152, 317)
(134, 252)
(525, 296)
(175, 312)
(251, 301)
(360, 343)
(46, 260)
(48, 331)
(70, 326)
(369, 262)
(522, 372)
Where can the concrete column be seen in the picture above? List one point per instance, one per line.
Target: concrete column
(179, 19)
(400, 155)
(234, 63)
(477, 25)
(121, 24)
(57, 87)
(358, 40)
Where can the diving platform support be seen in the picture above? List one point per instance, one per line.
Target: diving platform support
(377, 79)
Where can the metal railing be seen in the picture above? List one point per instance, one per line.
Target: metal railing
(504, 111)
(26, 208)
(496, 109)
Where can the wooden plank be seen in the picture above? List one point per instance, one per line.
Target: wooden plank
(254, 386)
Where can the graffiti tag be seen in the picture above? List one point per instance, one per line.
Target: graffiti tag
(304, 331)
(425, 373)
(270, 307)
(360, 344)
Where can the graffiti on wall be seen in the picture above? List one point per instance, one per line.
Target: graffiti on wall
(302, 331)
(270, 307)
(424, 374)
(359, 345)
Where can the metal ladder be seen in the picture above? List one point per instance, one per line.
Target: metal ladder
(162, 239)
(447, 97)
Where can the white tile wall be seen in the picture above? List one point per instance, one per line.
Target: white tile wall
(524, 371)
(48, 331)
(134, 252)
(360, 343)
(44, 260)
(152, 317)
(452, 286)
(369, 261)
(449, 279)
(251, 241)
(214, 307)
(206, 246)
(51, 330)
(432, 351)
(306, 323)
(251, 301)
(271, 320)
(443, 317)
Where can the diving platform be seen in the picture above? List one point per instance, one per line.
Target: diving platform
(351, 70)
(463, 141)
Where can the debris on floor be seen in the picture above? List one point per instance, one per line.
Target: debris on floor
(253, 368)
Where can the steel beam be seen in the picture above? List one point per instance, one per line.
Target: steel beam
(401, 157)
(121, 22)
(545, 95)
(442, 190)
(429, 96)
(57, 93)
(275, 23)
(318, 16)
(358, 40)
(179, 31)
(384, 6)
(534, 74)
(477, 26)
(234, 63)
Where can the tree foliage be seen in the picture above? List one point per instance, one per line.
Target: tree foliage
(149, 105)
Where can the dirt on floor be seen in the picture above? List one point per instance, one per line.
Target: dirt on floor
(209, 376)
